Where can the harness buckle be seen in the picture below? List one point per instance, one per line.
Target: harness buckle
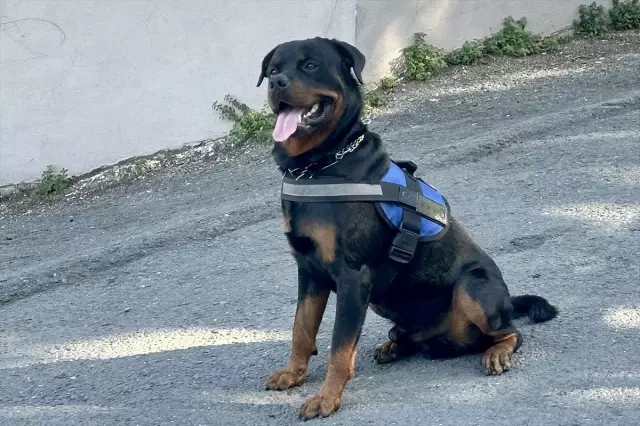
(408, 197)
(404, 246)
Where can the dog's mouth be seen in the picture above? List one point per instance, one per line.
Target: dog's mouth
(300, 121)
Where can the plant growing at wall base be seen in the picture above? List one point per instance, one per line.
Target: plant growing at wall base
(387, 84)
(591, 21)
(514, 40)
(374, 99)
(422, 60)
(248, 124)
(379, 96)
(625, 15)
(53, 182)
(470, 53)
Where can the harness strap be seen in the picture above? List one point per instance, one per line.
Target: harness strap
(405, 243)
(410, 198)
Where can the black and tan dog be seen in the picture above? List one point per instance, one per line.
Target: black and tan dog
(448, 299)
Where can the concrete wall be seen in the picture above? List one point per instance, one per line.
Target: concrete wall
(384, 27)
(89, 83)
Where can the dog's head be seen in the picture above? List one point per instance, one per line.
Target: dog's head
(312, 91)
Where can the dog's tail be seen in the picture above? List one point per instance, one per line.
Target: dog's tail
(535, 307)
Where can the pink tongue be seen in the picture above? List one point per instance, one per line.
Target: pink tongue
(287, 124)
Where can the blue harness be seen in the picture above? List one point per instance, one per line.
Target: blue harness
(406, 203)
(394, 212)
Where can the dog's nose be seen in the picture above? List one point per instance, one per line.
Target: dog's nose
(278, 82)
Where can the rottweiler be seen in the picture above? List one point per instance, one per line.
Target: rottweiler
(447, 299)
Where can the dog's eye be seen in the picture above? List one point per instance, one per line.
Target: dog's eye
(273, 71)
(310, 66)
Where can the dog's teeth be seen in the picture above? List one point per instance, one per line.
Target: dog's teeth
(311, 112)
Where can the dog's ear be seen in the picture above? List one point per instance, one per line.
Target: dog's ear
(351, 56)
(265, 64)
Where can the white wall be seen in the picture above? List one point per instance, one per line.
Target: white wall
(88, 83)
(384, 27)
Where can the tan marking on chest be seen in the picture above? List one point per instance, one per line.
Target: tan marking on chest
(323, 236)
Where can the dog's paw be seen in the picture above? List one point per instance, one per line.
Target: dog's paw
(322, 404)
(283, 380)
(497, 359)
(386, 353)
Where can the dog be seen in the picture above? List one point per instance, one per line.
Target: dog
(443, 294)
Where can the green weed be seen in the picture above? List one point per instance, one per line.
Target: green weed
(378, 97)
(625, 15)
(514, 40)
(422, 60)
(387, 84)
(53, 182)
(592, 21)
(470, 53)
(249, 125)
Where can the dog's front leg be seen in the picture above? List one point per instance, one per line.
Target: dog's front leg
(312, 301)
(353, 292)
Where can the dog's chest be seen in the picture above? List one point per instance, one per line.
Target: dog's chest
(328, 231)
(311, 230)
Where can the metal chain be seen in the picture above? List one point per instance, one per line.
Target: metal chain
(349, 148)
(338, 156)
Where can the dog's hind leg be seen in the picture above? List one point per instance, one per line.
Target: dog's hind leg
(481, 319)
(397, 347)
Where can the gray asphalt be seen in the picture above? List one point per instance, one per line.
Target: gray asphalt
(170, 301)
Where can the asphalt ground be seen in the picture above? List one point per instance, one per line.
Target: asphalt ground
(170, 300)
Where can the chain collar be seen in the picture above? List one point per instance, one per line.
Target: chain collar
(300, 172)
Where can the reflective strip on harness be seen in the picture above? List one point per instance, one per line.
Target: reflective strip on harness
(331, 190)
(385, 192)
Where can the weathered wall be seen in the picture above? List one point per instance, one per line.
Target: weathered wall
(88, 83)
(384, 27)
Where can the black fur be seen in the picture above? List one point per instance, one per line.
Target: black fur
(535, 307)
(415, 297)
